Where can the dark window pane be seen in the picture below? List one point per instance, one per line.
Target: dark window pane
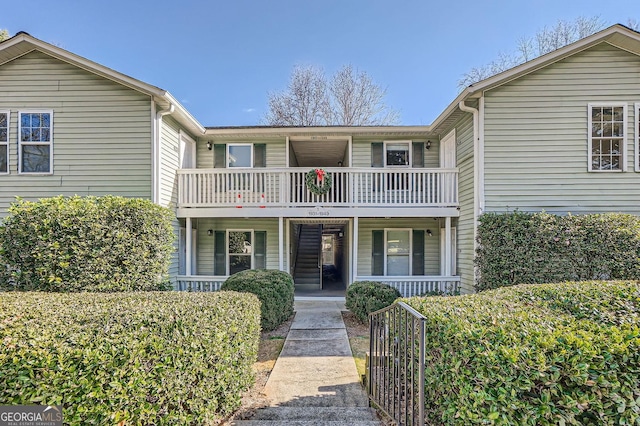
(45, 135)
(618, 113)
(45, 120)
(35, 159)
(3, 120)
(398, 155)
(239, 263)
(240, 242)
(596, 114)
(25, 134)
(3, 135)
(3, 158)
(35, 120)
(35, 135)
(25, 120)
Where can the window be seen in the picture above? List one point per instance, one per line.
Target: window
(237, 250)
(4, 141)
(35, 142)
(240, 155)
(396, 154)
(397, 252)
(240, 251)
(607, 124)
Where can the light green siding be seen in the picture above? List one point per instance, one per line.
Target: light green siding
(536, 154)
(465, 225)
(101, 131)
(431, 249)
(205, 247)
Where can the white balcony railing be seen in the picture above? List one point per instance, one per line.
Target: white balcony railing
(350, 187)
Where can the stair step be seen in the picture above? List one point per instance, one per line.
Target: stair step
(309, 413)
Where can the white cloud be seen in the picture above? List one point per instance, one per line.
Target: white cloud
(248, 110)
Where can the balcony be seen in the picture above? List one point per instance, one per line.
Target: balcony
(286, 188)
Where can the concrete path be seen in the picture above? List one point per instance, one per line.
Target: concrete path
(314, 380)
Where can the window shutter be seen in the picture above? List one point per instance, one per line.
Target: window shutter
(260, 250)
(220, 156)
(259, 155)
(418, 154)
(377, 258)
(219, 254)
(417, 267)
(377, 154)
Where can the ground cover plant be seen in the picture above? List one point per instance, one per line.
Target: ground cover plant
(364, 297)
(274, 288)
(97, 244)
(161, 358)
(544, 354)
(528, 248)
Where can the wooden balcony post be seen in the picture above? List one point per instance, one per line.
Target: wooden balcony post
(447, 244)
(188, 246)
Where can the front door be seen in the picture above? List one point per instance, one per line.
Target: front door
(448, 151)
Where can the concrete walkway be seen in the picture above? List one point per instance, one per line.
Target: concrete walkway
(314, 380)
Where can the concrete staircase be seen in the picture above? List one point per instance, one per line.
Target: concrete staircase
(315, 381)
(307, 273)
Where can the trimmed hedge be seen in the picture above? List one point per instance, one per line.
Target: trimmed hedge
(534, 355)
(160, 358)
(274, 288)
(97, 244)
(364, 297)
(530, 248)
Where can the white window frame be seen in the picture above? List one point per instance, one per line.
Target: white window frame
(409, 158)
(6, 143)
(386, 249)
(229, 145)
(636, 130)
(50, 143)
(228, 254)
(623, 146)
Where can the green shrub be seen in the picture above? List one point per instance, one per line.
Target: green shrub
(543, 354)
(160, 358)
(530, 248)
(97, 244)
(274, 289)
(364, 297)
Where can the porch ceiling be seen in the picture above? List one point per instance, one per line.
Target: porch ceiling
(319, 153)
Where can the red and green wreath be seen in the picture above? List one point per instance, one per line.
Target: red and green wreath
(323, 178)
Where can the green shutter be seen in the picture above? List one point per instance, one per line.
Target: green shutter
(417, 267)
(219, 254)
(260, 250)
(259, 155)
(418, 154)
(220, 156)
(377, 258)
(377, 154)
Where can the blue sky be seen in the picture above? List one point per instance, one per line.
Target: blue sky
(221, 58)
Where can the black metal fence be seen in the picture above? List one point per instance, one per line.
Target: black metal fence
(396, 363)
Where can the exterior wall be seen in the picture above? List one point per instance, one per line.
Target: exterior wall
(432, 244)
(170, 162)
(361, 151)
(205, 253)
(101, 131)
(465, 225)
(536, 154)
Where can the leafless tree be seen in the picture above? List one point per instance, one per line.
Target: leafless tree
(634, 24)
(546, 40)
(350, 98)
(4, 34)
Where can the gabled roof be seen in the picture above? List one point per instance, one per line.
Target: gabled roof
(23, 43)
(617, 35)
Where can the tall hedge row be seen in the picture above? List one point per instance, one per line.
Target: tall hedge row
(527, 248)
(534, 355)
(98, 244)
(161, 358)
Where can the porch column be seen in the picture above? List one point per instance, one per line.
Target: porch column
(281, 243)
(287, 243)
(447, 246)
(188, 246)
(354, 248)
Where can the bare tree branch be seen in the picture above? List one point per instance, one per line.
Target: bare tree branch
(350, 98)
(4, 34)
